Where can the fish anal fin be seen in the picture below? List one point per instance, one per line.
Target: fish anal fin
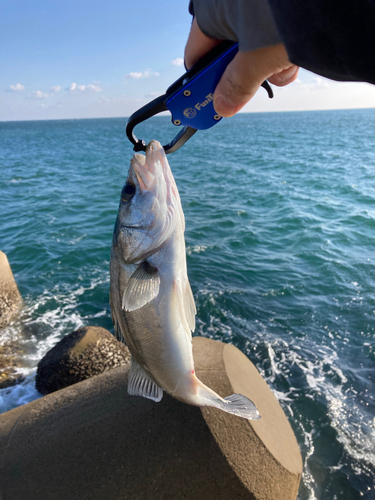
(142, 287)
(140, 384)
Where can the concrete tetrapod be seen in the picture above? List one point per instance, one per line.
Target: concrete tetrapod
(88, 351)
(10, 350)
(10, 297)
(93, 441)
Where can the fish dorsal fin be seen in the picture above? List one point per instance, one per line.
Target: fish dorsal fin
(118, 332)
(189, 306)
(140, 384)
(116, 325)
(142, 287)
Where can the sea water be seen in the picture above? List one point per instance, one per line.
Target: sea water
(280, 236)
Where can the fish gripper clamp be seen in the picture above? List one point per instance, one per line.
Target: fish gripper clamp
(189, 99)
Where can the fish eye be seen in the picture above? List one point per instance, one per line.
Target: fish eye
(128, 191)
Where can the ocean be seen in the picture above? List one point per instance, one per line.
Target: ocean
(280, 241)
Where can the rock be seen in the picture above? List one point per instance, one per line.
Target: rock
(93, 441)
(10, 297)
(86, 352)
(10, 360)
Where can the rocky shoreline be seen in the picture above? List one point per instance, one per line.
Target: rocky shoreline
(88, 439)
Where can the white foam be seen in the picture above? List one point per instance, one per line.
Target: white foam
(59, 318)
(196, 249)
(19, 394)
(324, 378)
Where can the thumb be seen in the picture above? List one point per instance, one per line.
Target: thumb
(244, 75)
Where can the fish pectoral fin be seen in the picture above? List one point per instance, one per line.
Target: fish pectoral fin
(140, 384)
(142, 287)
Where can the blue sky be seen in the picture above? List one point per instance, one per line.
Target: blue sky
(81, 59)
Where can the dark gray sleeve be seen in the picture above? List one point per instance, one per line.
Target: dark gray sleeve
(333, 38)
(249, 22)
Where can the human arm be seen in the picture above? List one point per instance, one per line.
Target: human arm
(332, 38)
(249, 68)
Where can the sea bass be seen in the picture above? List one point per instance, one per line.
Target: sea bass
(152, 304)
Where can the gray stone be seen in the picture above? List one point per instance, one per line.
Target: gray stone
(82, 354)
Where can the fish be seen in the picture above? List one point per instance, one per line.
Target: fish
(152, 304)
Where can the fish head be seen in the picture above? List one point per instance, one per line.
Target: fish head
(150, 207)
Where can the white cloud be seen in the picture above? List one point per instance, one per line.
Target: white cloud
(16, 88)
(104, 99)
(91, 87)
(56, 88)
(312, 92)
(37, 94)
(142, 74)
(316, 83)
(177, 62)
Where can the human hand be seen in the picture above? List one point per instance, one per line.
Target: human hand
(244, 75)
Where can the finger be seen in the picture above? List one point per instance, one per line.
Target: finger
(198, 45)
(285, 77)
(244, 75)
(237, 86)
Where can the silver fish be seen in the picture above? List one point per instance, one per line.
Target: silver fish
(152, 304)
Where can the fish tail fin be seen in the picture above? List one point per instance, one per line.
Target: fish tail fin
(236, 404)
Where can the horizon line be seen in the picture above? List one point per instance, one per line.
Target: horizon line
(166, 115)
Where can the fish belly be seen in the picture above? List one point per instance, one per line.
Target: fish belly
(162, 349)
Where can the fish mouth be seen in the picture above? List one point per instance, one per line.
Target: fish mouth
(150, 169)
(146, 179)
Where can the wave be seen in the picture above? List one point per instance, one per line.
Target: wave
(42, 323)
(315, 387)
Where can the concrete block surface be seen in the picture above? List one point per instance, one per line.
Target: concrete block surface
(10, 297)
(94, 441)
(88, 351)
